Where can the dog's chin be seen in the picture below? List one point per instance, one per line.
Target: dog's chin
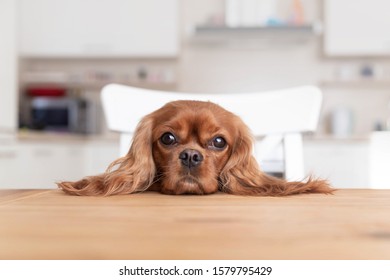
(185, 185)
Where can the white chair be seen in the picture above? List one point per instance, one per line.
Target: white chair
(277, 119)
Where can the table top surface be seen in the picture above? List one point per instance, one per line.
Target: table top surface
(48, 224)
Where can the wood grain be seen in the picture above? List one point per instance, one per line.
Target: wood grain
(42, 224)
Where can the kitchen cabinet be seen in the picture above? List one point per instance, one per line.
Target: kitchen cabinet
(343, 162)
(8, 69)
(380, 160)
(104, 28)
(9, 166)
(39, 164)
(99, 155)
(357, 28)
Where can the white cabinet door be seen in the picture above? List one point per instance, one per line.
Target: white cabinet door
(98, 156)
(9, 167)
(344, 163)
(357, 27)
(40, 165)
(45, 164)
(90, 28)
(380, 160)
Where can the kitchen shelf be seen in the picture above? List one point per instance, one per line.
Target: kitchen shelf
(256, 30)
(254, 36)
(356, 83)
(99, 85)
(153, 77)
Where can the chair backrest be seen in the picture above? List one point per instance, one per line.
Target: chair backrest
(275, 114)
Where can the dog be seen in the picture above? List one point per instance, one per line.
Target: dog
(190, 147)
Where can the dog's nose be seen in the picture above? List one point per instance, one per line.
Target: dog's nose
(190, 158)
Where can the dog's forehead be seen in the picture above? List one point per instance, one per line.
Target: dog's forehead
(195, 116)
(201, 118)
(190, 110)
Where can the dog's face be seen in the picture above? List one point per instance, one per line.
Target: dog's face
(192, 141)
(190, 147)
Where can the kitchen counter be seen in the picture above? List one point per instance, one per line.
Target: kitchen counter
(48, 224)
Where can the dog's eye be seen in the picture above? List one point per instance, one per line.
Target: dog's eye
(168, 139)
(218, 142)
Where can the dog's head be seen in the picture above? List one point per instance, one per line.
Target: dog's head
(190, 147)
(192, 142)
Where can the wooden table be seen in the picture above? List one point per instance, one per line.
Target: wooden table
(47, 224)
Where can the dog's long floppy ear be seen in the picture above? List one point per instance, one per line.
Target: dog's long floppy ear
(134, 172)
(242, 176)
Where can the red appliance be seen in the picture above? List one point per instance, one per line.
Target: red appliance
(46, 91)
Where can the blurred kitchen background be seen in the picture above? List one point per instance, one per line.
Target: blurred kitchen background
(55, 56)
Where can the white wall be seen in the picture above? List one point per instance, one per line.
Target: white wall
(8, 67)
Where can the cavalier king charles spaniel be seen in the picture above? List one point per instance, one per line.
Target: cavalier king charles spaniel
(190, 147)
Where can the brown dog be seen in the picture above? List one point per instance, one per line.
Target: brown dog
(190, 147)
